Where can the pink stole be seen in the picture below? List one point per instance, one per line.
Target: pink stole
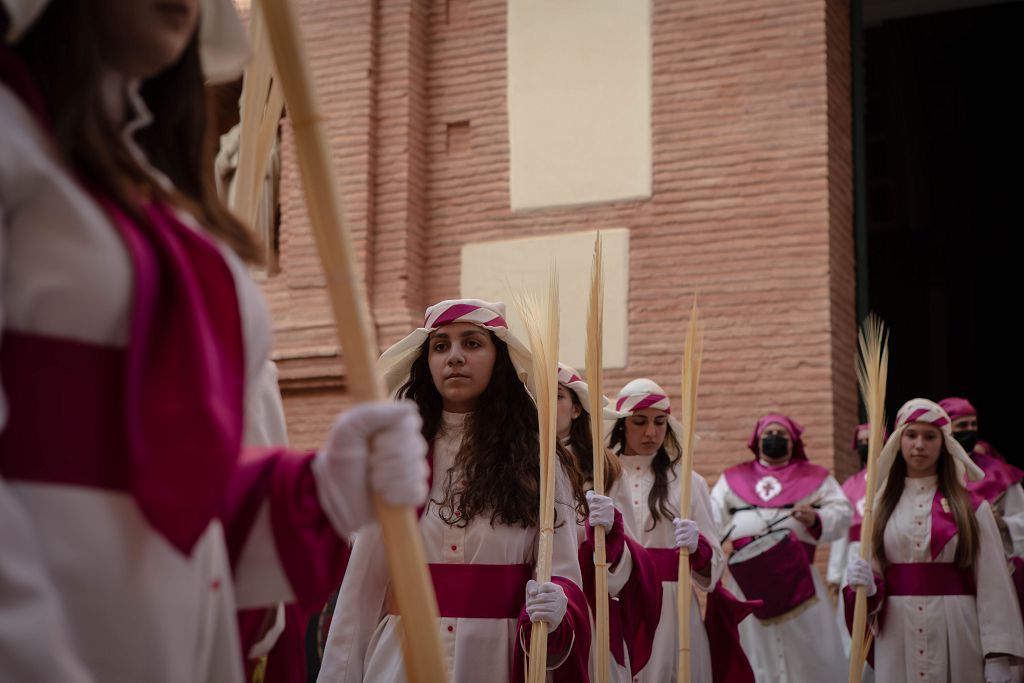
(171, 430)
(999, 476)
(774, 487)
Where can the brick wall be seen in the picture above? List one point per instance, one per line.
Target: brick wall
(751, 203)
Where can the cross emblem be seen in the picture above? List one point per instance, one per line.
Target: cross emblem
(768, 487)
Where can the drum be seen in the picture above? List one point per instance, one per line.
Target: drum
(773, 568)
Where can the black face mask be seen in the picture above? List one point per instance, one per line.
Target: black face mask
(967, 438)
(862, 451)
(774, 446)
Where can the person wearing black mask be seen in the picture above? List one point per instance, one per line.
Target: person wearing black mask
(1001, 486)
(775, 509)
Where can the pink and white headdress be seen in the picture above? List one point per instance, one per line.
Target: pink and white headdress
(568, 377)
(646, 393)
(928, 412)
(223, 43)
(396, 362)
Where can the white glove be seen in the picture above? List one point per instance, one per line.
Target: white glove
(546, 602)
(859, 573)
(372, 447)
(997, 670)
(687, 534)
(602, 511)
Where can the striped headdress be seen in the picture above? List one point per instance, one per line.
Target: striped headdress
(921, 410)
(569, 378)
(645, 393)
(396, 362)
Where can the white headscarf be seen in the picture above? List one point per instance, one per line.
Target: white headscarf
(928, 412)
(568, 377)
(223, 45)
(646, 393)
(396, 363)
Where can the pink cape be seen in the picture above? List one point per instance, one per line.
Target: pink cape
(763, 486)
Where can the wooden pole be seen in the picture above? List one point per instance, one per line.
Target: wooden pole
(692, 353)
(595, 330)
(541, 320)
(410, 581)
(872, 372)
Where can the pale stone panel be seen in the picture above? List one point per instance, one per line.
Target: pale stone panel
(498, 271)
(579, 101)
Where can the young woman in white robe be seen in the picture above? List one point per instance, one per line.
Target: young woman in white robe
(941, 599)
(646, 439)
(468, 375)
(133, 525)
(634, 587)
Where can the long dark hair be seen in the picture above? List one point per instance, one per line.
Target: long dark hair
(954, 492)
(499, 457)
(668, 455)
(581, 444)
(62, 53)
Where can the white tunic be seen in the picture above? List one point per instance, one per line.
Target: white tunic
(88, 589)
(364, 641)
(941, 639)
(805, 648)
(631, 493)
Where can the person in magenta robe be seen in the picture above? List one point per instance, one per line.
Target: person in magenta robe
(782, 506)
(634, 585)
(134, 522)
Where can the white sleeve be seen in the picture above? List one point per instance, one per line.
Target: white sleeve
(719, 503)
(835, 511)
(35, 646)
(1012, 509)
(701, 512)
(359, 609)
(564, 556)
(837, 559)
(34, 642)
(1001, 629)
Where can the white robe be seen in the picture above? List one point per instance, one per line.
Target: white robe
(88, 590)
(630, 494)
(364, 642)
(805, 648)
(943, 639)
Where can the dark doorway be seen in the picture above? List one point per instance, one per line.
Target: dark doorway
(943, 152)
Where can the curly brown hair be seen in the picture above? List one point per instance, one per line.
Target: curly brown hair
(499, 456)
(668, 455)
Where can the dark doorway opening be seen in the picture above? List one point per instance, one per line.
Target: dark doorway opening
(943, 150)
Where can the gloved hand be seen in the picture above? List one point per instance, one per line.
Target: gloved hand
(858, 573)
(997, 670)
(546, 602)
(372, 447)
(602, 511)
(687, 534)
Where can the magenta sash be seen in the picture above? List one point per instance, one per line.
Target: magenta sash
(175, 426)
(775, 486)
(666, 562)
(927, 578)
(478, 591)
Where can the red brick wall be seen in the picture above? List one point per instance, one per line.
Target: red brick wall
(751, 203)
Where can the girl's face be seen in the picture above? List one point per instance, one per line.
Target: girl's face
(567, 411)
(141, 38)
(645, 431)
(921, 445)
(461, 359)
